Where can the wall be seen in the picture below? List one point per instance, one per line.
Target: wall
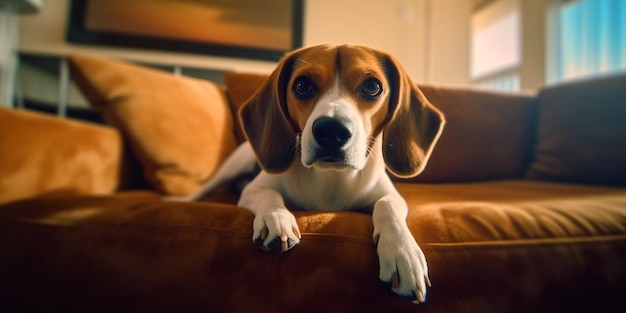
(430, 37)
(533, 66)
(449, 42)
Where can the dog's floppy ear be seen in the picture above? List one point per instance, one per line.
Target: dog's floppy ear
(266, 122)
(413, 124)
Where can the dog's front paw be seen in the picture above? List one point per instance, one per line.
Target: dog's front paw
(276, 231)
(403, 265)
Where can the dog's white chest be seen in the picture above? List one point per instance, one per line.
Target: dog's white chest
(328, 190)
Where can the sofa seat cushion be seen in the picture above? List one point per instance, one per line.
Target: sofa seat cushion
(491, 247)
(134, 252)
(514, 210)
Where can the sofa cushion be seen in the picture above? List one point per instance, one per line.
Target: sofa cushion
(510, 246)
(504, 210)
(41, 153)
(180, 128)
(488, 135)
(582, 132)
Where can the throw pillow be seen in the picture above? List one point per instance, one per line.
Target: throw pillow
(42, 153)
(180, 128)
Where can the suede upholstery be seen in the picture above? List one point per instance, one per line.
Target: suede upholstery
(40, 153)
(239, 88)
(486, 253)
(180, 128)
(582, 133)
(498, 147)
(495, 240)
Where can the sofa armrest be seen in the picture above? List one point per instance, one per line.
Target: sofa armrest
(40, 153)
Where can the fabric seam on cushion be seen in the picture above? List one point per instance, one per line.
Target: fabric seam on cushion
(513, 244)
(172, 227)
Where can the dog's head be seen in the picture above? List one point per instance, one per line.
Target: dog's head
(338, 100)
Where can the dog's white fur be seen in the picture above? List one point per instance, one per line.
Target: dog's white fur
(359, 181)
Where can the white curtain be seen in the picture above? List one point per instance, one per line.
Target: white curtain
(8, 55)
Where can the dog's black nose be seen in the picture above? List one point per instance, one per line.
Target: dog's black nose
(331, 133)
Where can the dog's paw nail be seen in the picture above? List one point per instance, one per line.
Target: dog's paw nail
(276, 244)
(258, 241)
(284, 242)
(428, 284)
(291, 243)
(395, 281)
(419, 297)
(297, 232)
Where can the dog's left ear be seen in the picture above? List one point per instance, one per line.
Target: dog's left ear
(265, 121)
(413, 124)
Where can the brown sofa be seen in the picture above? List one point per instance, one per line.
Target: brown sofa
(522, 207)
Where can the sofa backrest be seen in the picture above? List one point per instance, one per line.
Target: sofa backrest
(488, 135)
(581, 135)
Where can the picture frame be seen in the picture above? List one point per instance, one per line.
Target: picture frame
(250, 29)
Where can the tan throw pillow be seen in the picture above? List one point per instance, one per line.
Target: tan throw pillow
(180, 128)
(42, 153)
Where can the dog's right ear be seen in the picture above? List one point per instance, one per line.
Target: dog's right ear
(266, 123)
(414, 124)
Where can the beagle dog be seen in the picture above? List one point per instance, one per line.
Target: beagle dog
(325, 128)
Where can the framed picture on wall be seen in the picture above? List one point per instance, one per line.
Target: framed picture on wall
(251, 29)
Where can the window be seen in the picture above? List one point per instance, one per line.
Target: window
(588, 37)
(495, 46)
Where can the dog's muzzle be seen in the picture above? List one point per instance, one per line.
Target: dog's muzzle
(331, 135)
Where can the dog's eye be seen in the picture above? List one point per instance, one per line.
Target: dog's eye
(303, 88)
(371, 88)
